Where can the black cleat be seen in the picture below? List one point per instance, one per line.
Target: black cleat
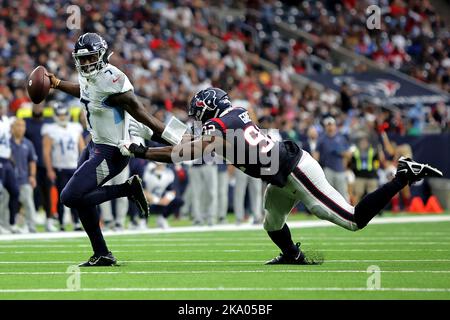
(138, 196)
(414, 171)
(284, 259)
(100, 261)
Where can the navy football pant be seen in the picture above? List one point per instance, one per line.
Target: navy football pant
(84, 191)
(62, 178)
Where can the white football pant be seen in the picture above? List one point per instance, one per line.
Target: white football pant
(307, 183)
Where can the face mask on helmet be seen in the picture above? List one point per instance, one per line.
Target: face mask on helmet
(89, 64)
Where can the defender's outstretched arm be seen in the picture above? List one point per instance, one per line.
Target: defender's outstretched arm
(173, 154)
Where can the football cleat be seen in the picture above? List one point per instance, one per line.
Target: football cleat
(285, 259)
(137, 195)
(100, 261)
(414, 171)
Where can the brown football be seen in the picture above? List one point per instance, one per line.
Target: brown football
(38, 85)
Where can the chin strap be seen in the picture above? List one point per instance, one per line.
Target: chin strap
(109, 56)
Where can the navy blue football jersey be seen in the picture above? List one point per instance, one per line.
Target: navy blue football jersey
(250, 149)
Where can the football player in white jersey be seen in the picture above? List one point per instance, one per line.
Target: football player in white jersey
(7, 174)
(62, 144)
(109, 102)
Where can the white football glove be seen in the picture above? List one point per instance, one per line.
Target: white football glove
(124, 147)
(138, 129)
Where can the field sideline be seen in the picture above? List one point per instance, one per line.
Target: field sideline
(227, 262)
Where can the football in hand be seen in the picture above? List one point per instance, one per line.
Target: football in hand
(38, 84)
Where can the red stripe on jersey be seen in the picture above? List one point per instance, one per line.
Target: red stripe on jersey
(220, 122)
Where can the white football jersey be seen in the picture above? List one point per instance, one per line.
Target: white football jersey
(65, 152)
(107, 124)
(5, 137)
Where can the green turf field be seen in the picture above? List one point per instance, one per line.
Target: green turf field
(414, 260)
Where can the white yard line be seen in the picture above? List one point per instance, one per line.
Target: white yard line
(220, 250)
(22, 273)
(230, 261)
(128, 251)
(142, 289)
(227, 227)
(268, 244)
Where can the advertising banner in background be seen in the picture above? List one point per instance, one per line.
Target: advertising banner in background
(383, 88)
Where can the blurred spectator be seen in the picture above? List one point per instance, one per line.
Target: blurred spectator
(346, 98)
(254, 187)
(310, 142)
(364, 163)
(204, 179)
(62, 144)
(24, 157)
(332, 148)
(42, 191)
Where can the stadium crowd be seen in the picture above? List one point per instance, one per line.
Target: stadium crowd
(412, 38)
(171, 50)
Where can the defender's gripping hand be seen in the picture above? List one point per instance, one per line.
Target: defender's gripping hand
(138, 150)
(138, 129)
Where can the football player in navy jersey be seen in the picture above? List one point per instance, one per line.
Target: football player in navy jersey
(292, 173)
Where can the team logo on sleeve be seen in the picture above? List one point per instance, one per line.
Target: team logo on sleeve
(245, 117)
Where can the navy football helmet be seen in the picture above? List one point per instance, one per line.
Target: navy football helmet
(208, 104)
(90, 54)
